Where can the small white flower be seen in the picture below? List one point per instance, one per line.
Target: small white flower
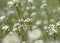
(33, 13)
(21, 20)
(27, 8)
(52, 29)
(2, 18)
(28, 20)
(16, 24)
(58, 23)
(39, 41)
(30, 0)
(11, 33)
(15, 29)
(45, 27)
(10, 3)
(38, 22)
(34, 34)
(23, 42)
(43, 5)
(11, 39)
(50, 33)
(5, 27)
(52, 26)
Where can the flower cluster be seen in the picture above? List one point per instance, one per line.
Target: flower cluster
(12, 2)
(52, 29)
(2, 18)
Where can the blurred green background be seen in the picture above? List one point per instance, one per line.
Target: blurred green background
(52, 5)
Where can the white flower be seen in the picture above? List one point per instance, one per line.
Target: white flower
(38, 41)
(15, 29)
(34, 34)
(38, 22)
(11, 33)
(58, 23)
(10, 3)
(52, 29)
(50, 33)
(2, 18)
(45, 27)
(5, 27)
(43, 5)
(23, 42)
(27, 8)
(16, 24)
(11, 39)
(30, 0)
(28, 20)
(33, 13)
(21, 20)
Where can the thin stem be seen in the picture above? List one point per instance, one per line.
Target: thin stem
(54, 37)
(30, 25)
(17, 10)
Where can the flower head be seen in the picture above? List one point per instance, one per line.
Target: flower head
(28, 20)
(52, 29)
(30, 0)
(5, 27)
(10, 3)
(2, 18)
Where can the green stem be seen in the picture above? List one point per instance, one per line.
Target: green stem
(30, 25)
(17, 10)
